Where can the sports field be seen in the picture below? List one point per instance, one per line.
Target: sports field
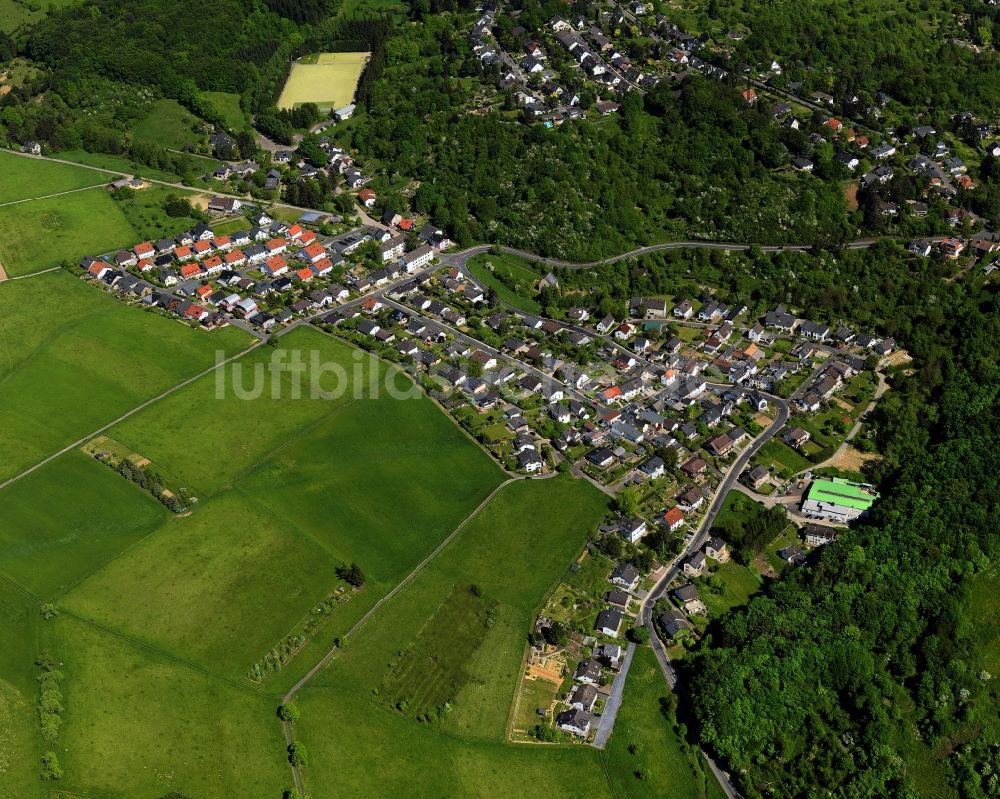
(327, 79)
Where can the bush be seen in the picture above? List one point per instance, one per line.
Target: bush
(297, 754)
(51, 770)
(639, 634)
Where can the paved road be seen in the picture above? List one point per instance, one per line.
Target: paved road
(727, 246)
(607, 721)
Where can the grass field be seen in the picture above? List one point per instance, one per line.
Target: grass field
(327, 79)
(22, 177)
(645, 757)
(317, 485)
(432, 668)
(117, 164)
(145, 214)
(140, 724)
(551, 518)
(218, 587)
(168, 124)
(737, 583)
(67, 519)
(41, 233)
(20, 747)
(77, 358)
(786, 461)
(16, 14)
(228, 105)
(513, 267)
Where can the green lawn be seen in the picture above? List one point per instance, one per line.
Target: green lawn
(228, 105)
(67, 519)
(660, 765)
(41, 233)
(514, 267)
(168, 124)
(551, 518)
(737, 583)
(219, 587)
(140, 724)
(230, 226)
(22, 177)
(78, 358)
(785, 460)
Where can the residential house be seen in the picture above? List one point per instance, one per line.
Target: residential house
(609, 622)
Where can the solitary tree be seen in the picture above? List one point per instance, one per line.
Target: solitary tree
(297, 754)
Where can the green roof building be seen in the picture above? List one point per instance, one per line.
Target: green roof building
(837, 499)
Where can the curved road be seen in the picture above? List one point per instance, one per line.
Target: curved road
(694, 244)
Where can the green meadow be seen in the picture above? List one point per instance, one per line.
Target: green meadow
(20, 745)
(73, 358)
(141, 724)
(40, 234)
(548, 518)
(645, 757)
(218, 587)
(68, 519)
(168, 124)
(228, 105)
(22, 177)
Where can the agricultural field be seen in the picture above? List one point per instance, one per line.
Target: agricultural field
(22, 177)
(327, 79)
(168, 124)
(39, 234)
(280, 510)
(139, 722)
(20, 748)
(425, 678)
(79, 358)
(551, 518)
(218, 587)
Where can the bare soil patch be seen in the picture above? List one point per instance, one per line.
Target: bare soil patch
(852, 459)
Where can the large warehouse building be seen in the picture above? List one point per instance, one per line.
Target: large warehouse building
(838, 500)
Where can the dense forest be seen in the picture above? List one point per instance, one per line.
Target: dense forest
(671, 166)
(906, 48)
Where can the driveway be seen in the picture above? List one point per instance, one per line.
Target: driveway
(607, 721)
